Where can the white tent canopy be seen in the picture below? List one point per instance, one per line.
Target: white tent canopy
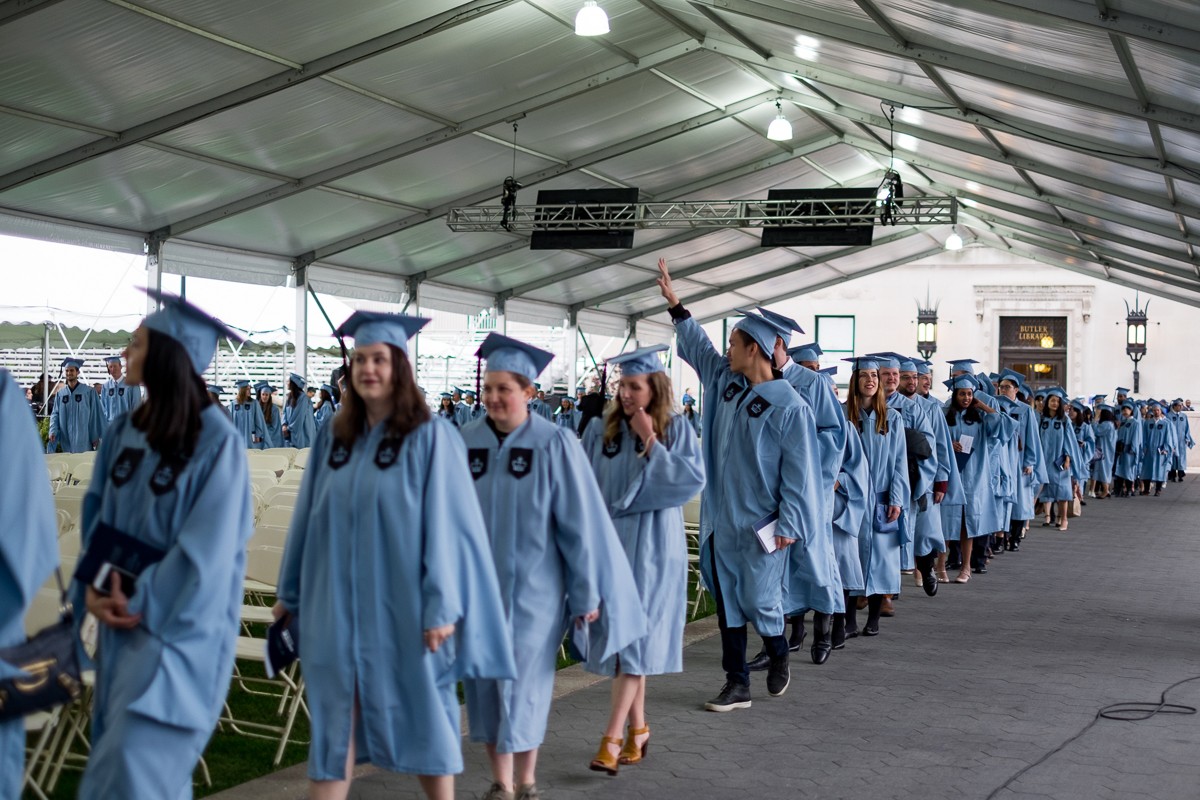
(259, 142)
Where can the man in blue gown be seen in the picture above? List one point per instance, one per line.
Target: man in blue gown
(764, 493)
(118, 395)
(77, 420)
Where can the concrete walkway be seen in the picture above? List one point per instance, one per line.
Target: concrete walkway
(956, 695)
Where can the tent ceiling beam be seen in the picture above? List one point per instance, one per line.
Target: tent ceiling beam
(471, 10)
(585, 160)
(412, 146)
(727, 26)
(15, 9)
(826, 284)
(672, 20)
(1043, 12)
(1002, 71)
(600, 41)
(1075, 227)
(1070, 204)
(788, 269)
(810, 73)
(731, 258)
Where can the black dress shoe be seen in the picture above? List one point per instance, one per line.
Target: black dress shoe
(870, 629)
(760, 662)
(979, 570)
(733, 695)
(779, 676)
(794, 642)
(837, 636)
(822, 637)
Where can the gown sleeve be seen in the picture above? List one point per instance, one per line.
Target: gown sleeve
(801, 506)
(854, 482)
(697, 350)
(898, 485)
(672, 473)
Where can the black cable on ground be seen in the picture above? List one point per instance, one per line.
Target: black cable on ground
(1121, 712)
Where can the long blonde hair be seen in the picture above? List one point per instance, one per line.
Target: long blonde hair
(854, 407)
(660, 408)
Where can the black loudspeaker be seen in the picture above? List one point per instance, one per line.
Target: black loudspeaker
(585, 209)
(820, 233)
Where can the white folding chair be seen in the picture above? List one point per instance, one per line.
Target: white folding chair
(280, 495)
(293, 478)
(277, 516)
(82, 473)
(301, 460)
(269, 536)
(272, 460)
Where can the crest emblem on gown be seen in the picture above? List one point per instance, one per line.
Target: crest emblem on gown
(339, 454)
(126, 464)
(1057, 425)
(121, 391)
(111, 391)
(730, 392)
(164, 477)
(389, 450)
(611, 449)
(79, 398)
(477, 460)
(520, 462)
(757, 407)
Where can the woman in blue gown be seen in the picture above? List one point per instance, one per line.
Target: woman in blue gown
(28, 551)
(1061, 451)
(387, 567)
(171, 474)
(1158, 439)
(1105, 431)
(557, 557)
(647, 463)
(272, 417)
(446, 409)
(247, 416)
(968, 416)
(881, 430)
(567, 416)
(324, 411)
(1128, 450)
(299, 424)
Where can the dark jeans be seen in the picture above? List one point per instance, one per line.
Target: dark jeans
(733, 640)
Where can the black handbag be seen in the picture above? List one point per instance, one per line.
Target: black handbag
(50, 659)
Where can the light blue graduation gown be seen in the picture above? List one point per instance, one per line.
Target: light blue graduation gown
(76, 420)
(28, 550)
(167, 678)
(557, 557)
(849, 508)
(644, 495)
(1106, 446)
(761, 457)
(693, 419)
(1183, 439)
(1058, 441)
(915, 416)
(928, 536)
(467, 412)
(568, 419)
(1129, 436)
(830, 421)
(542, 409)
(302, 425)
(978, 511)
(383, 546)
(1023, 451)
(272, 429)
(323, 415)
(887, 461)
(1085, 440)
(248, 419)
(449, 416)
(118, 397)
(1158, 448)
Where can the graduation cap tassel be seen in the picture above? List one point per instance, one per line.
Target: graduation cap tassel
(478, 379)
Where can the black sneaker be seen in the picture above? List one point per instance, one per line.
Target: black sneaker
(779, 676)
(732, 696)
(760, 662)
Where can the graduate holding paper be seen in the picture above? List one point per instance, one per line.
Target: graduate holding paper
(172, 476)
(28, 551)
(557, 557)
(647, 462)
(763, 467)
(388, 570)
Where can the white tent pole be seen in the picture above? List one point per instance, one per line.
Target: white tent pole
(45, 364)
(301, 339)
(572, 354)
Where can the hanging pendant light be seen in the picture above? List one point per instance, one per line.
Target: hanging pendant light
(591, 20)
(954, 241)
(780, 130)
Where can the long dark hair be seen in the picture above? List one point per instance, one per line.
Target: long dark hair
(970, 414)
(267, 406)
(1062, 408)
(1107, 416)
(293, 392)
(409, 409)
(855, 407)
(175, 398)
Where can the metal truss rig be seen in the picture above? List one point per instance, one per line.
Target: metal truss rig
(866, 210)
